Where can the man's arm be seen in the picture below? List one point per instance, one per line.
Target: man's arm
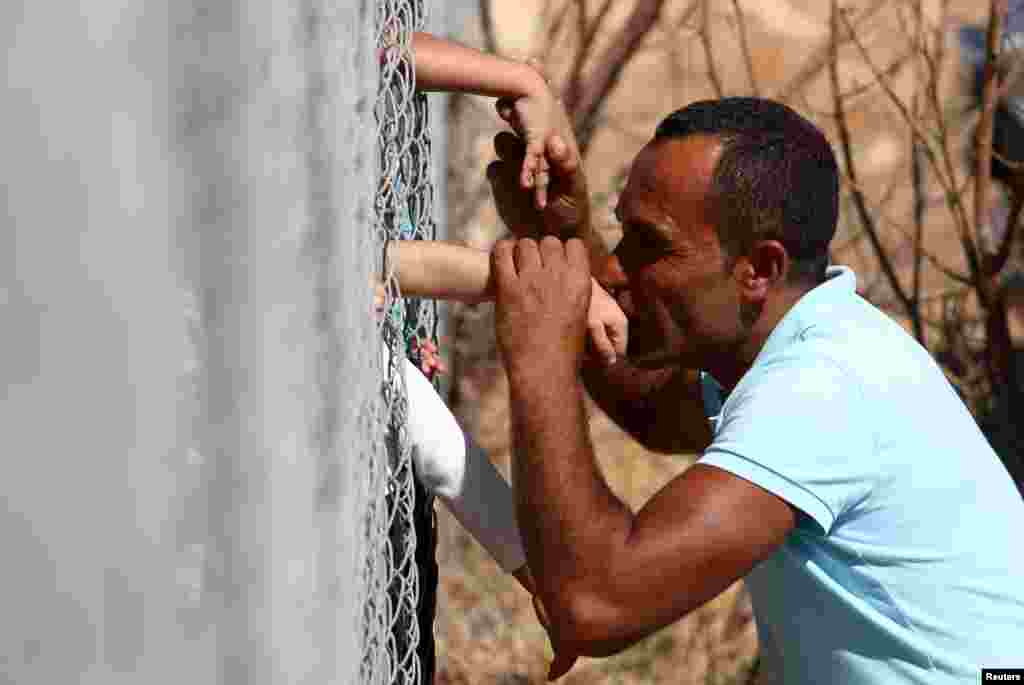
(607, 577)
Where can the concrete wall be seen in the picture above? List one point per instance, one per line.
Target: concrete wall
(176, 484)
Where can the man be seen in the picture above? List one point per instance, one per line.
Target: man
(842, 476)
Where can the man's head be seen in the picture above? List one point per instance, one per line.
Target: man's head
(732, 203)
(776, 178)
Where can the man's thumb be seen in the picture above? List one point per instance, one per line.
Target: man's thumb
(602, 343)
(560, 666)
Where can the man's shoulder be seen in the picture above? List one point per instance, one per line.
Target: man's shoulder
(810, 368)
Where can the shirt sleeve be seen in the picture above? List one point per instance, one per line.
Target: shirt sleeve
(451, 466)
(798, 429)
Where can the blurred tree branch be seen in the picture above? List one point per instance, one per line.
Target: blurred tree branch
(584, 96)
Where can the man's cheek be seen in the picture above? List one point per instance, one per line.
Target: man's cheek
(645, 335)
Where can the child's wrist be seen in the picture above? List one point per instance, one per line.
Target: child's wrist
(533, 83)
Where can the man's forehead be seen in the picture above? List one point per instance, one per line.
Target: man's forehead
(673, 167)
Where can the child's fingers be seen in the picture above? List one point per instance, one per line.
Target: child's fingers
(535, 173)
(540, 182)
(379, 298)
(602, 344)
(537, 66)
(618, 333)
(561, 156)
(528, 172)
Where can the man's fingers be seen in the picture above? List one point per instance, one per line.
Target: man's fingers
(564, 659)
(497, 176)
(542, 614)
(576, 254)
(494, 171)
(514, 207)
(527, 256)
(504, 178)
(503, 266)
(509, 147)
(561, 665)
(551, 250)
(506, 109)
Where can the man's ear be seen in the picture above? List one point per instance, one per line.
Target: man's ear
(765, 266)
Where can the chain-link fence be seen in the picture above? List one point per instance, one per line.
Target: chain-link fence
(400, 569)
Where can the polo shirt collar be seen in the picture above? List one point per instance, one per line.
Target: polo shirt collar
(840, 283)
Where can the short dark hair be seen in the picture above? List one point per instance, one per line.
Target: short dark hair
(776, 178)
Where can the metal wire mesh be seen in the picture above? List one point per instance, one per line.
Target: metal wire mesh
(397, 646)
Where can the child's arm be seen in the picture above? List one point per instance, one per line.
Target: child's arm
(435, 269)
(442, 65)
(440, 270)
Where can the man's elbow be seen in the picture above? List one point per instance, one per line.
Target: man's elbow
(593, 626)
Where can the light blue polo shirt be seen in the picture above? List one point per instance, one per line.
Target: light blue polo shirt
(908, 564)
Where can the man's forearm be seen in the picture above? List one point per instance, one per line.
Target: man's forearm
(568, 516)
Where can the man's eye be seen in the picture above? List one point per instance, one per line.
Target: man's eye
(638, 248)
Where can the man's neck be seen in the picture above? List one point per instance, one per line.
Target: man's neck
(731, 367)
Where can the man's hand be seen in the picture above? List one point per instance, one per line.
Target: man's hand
(567, 210)
(542, 122)
(542, 293)
(564, 657)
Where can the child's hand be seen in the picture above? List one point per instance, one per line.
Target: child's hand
(431, 363)
(607, 324)
(539, 119)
